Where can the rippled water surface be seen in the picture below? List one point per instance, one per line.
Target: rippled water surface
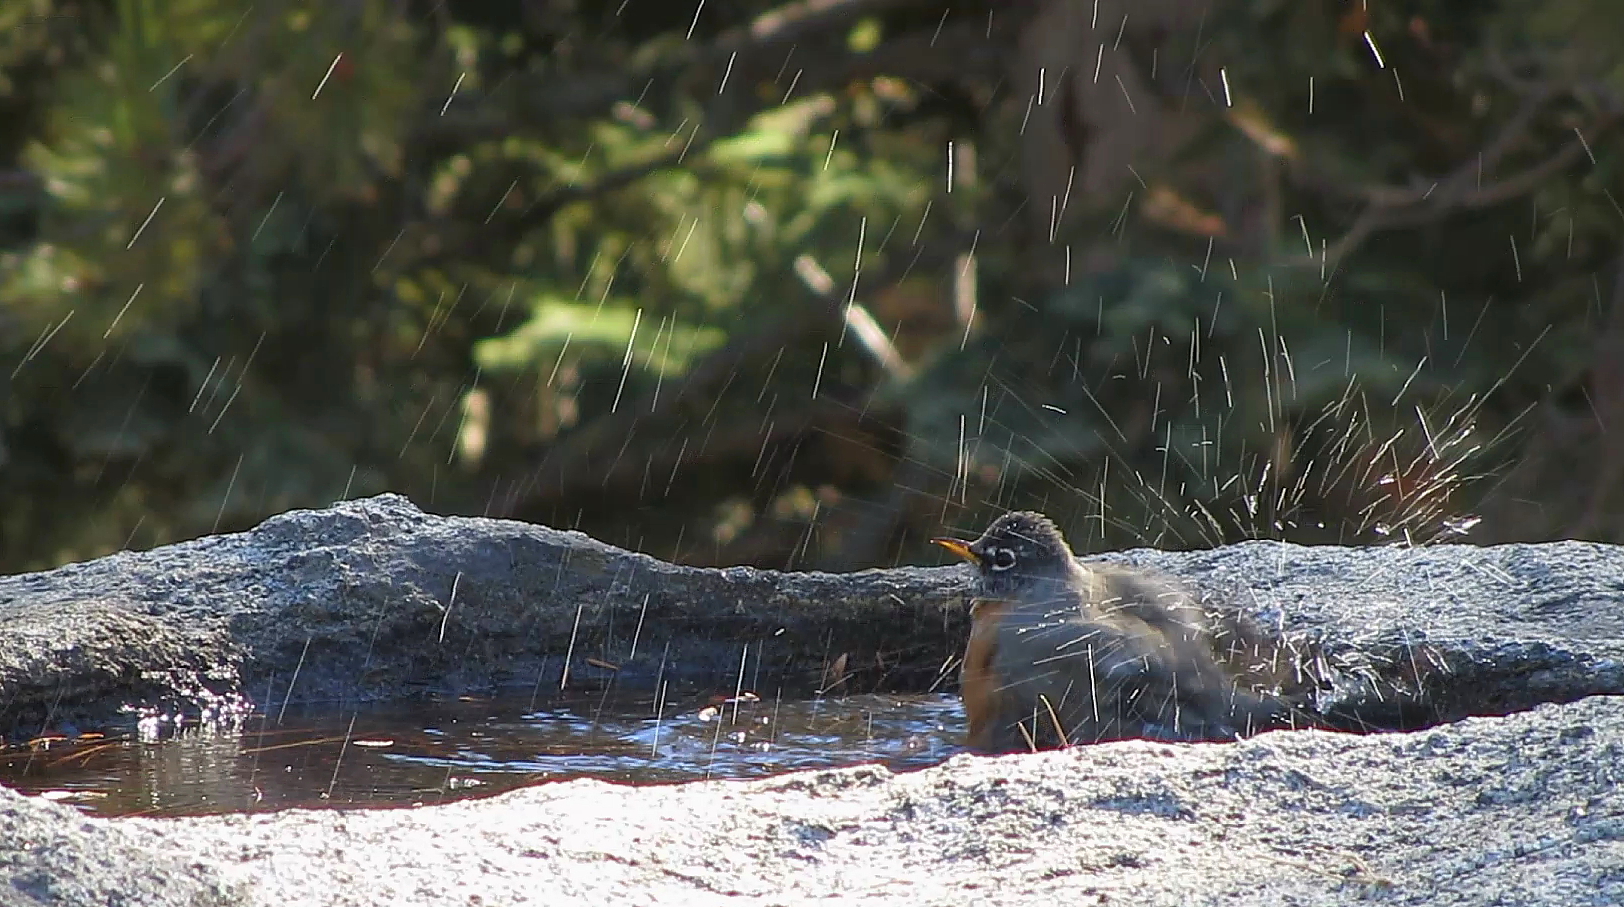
(436, 750)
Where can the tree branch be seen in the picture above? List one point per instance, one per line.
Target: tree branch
(542, 209)
(1393, 208)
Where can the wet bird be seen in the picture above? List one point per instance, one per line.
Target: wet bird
(1063, 653)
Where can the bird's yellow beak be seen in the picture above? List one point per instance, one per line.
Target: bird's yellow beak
(962, 549)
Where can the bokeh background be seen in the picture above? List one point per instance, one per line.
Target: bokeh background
(801, 283)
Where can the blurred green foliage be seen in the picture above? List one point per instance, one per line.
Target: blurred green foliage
(769, 282)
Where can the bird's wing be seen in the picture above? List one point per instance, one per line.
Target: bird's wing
(1067, 667)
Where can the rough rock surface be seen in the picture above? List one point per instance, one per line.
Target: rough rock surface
(51, 856)
(1523, 810)
(375, 598)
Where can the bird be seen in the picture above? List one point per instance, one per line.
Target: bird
(1062, 653)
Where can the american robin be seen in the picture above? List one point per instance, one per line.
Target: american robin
(1064, 653)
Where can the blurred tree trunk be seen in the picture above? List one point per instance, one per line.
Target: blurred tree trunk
(1103, 103)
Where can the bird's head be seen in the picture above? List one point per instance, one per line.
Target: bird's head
(1019, 548)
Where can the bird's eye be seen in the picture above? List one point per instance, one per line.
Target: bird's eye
(1002, 559)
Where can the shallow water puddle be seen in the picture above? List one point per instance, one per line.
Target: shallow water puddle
(431, 751)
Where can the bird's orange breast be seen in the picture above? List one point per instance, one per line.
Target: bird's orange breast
(980, 687)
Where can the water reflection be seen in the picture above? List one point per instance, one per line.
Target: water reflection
(437, 750)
